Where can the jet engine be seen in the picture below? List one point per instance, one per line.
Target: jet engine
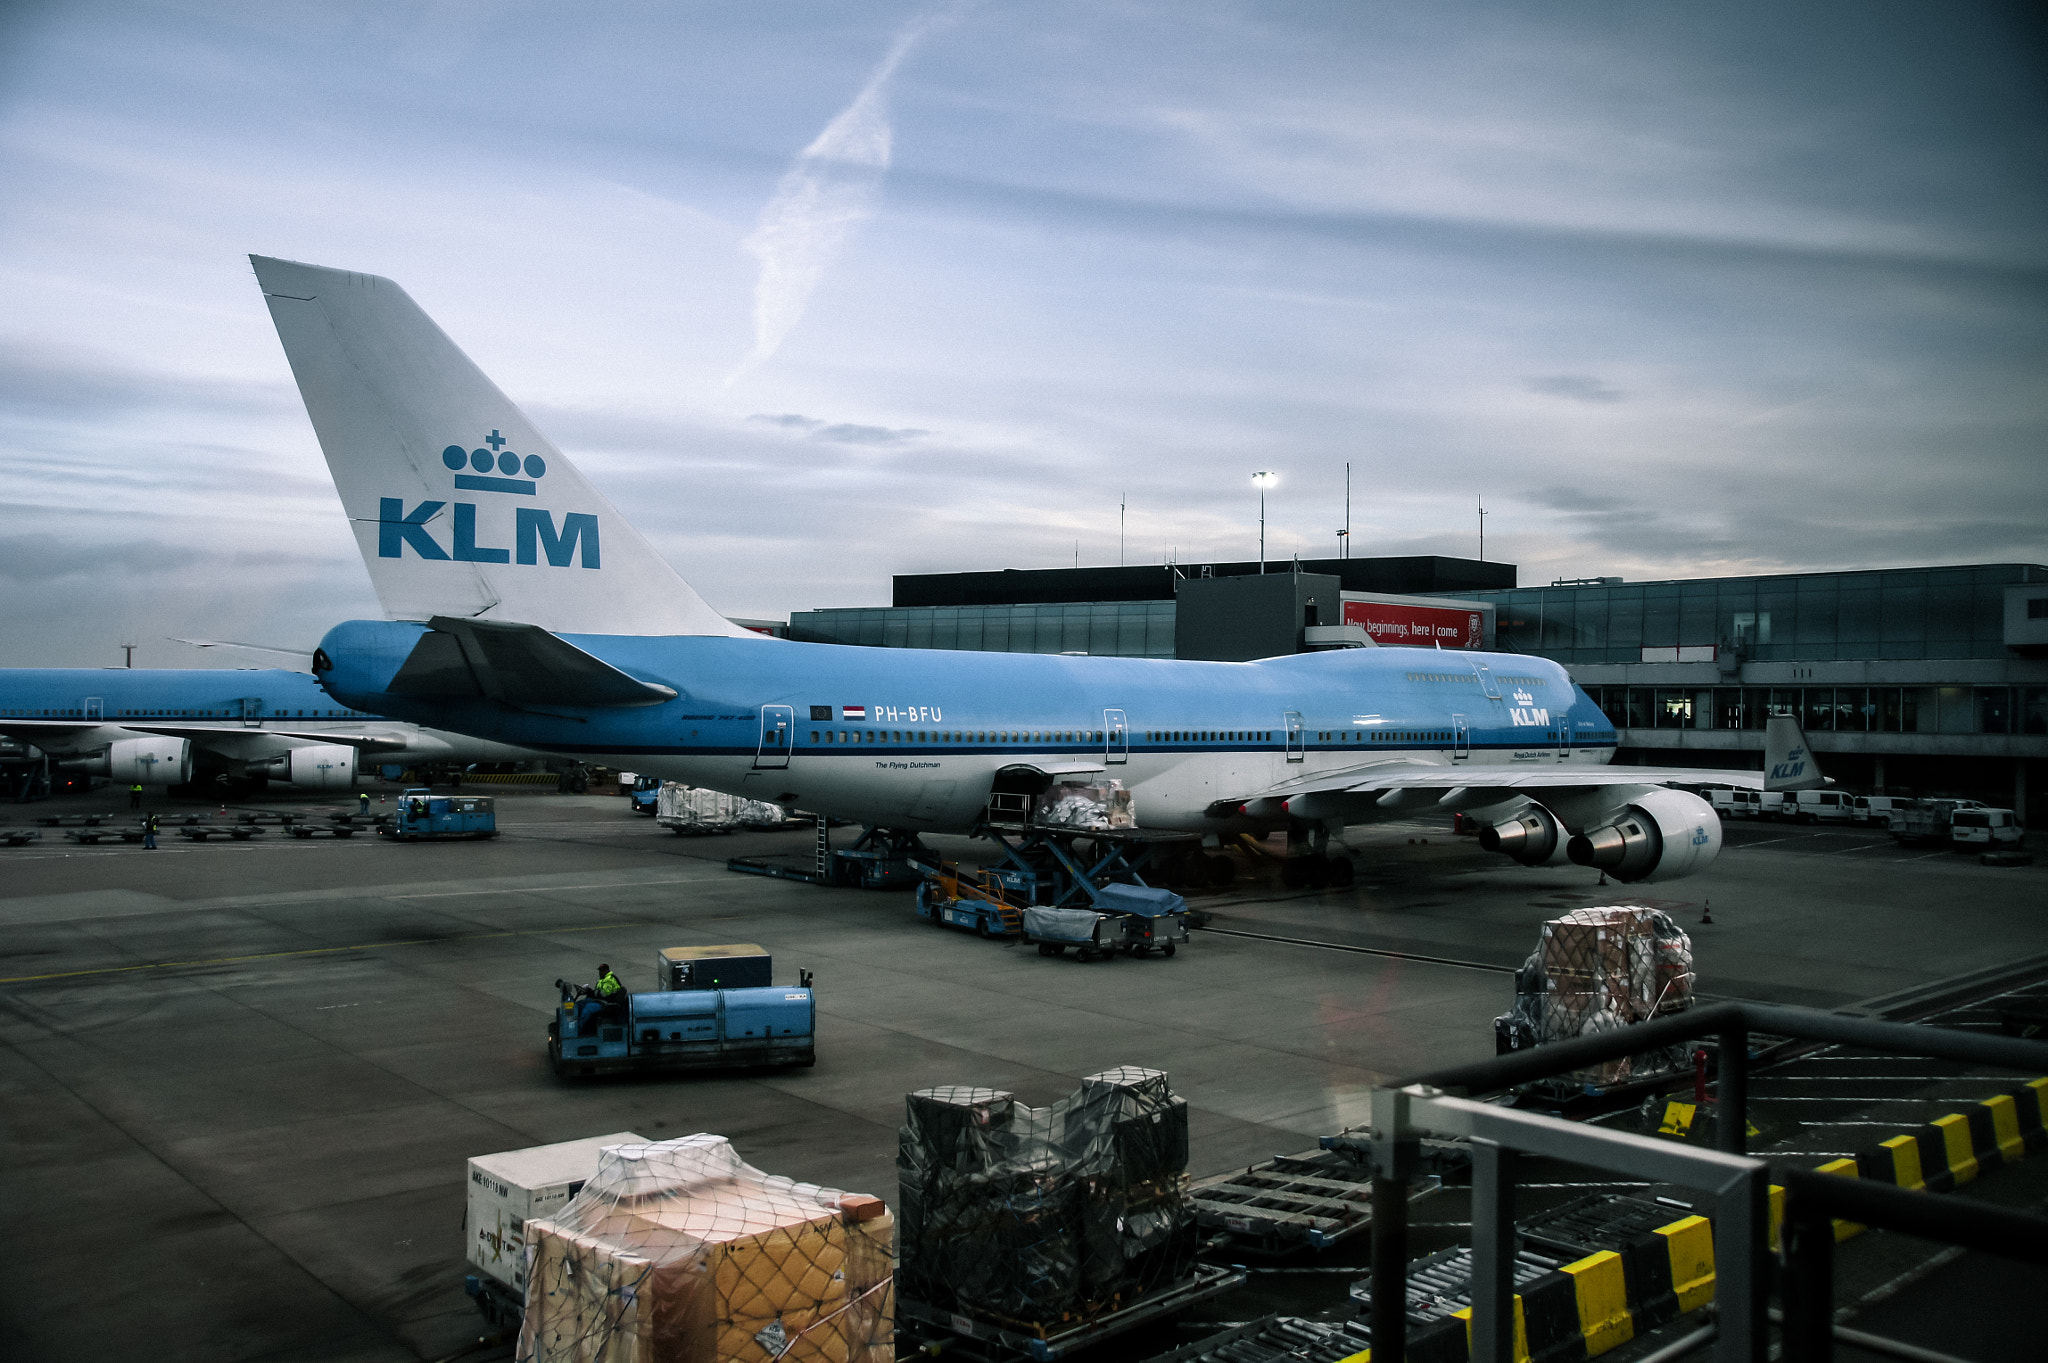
(141, 762)
(1663, 835)
(1532, 837)
(324, 766)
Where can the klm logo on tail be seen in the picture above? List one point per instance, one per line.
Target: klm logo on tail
(496, 469)
(1792, 768)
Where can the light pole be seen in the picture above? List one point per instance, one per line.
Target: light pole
(1264, 480)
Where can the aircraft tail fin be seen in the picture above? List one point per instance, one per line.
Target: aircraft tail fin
(1788, 762)
(460, 506)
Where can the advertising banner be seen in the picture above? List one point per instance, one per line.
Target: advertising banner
(1417, 626)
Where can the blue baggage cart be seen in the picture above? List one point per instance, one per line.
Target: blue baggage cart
(423, 815)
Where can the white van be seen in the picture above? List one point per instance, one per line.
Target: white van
(1983, 828)
(1737, 804)
(1876, 810)
(1816, 806)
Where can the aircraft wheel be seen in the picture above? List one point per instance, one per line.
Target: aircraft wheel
(1222, 872)
(1342, 872)
(1291, 874)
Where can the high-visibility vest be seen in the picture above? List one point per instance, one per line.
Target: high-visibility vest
(609, 985)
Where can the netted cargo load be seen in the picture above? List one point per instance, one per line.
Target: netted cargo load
(680, 1252)
(1035, 1216)
(1598, 970)
(1096, 807)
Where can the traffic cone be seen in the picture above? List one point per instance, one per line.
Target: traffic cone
(1707, 912)
(1603, 877)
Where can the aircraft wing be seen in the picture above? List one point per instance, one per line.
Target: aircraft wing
(27, 730)
(221, 733)
(1407, 774)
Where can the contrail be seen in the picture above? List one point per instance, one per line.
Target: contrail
(831, 186)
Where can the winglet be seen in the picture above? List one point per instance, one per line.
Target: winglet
(1788, 762)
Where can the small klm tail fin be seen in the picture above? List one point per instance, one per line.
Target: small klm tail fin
(1788, 763)
(460, 506)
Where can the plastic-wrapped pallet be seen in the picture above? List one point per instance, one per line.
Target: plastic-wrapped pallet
(1072, 805)
(1033, 1216)
(680, 1252)
(1600, 969)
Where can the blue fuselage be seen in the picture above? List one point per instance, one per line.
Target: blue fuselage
(914, 737)
(162, 693)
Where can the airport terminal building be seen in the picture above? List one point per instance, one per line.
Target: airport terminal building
(1908, 680)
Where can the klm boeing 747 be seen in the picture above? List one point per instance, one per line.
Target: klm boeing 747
(167, 726)
(524, 609)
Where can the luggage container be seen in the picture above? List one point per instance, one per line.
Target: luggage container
(508, 1189)
(1147, 918)
(1091, 934)
(739, 966)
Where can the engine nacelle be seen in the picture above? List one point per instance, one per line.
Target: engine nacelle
(323, 766)
(1663, 835)
(141, 762)
(1531, 837)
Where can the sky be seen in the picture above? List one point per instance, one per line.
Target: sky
(823, 292)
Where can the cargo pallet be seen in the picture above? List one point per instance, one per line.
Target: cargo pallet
(1016, 1339)
(1312, 1200)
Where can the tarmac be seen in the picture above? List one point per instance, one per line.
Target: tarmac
(240, 1080)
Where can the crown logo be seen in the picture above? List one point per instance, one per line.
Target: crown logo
(1524, 698)
(497, 460)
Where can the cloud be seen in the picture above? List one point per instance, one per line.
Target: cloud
(832, 186)
(844, 432)
(1579, 387)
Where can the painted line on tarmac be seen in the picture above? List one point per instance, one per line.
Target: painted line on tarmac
(550, 889)
(1362, 951)
(309, 951)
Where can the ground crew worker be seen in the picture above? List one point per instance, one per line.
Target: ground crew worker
(135, 796)
(607, 996)
(149, 827)
(363, 803)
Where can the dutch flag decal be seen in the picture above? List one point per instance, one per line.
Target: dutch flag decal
(853, 712)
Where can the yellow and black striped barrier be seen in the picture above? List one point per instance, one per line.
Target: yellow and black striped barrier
(1606, 1299)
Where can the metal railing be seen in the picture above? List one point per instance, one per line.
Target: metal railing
(1738, 1183)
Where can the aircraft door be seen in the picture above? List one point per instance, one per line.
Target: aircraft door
(1116, 745)
(1294, 735)
(1564, 737)
(252, 711)
(1486, 681)
(95, 708)
(1461, 739)
(778, 731)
